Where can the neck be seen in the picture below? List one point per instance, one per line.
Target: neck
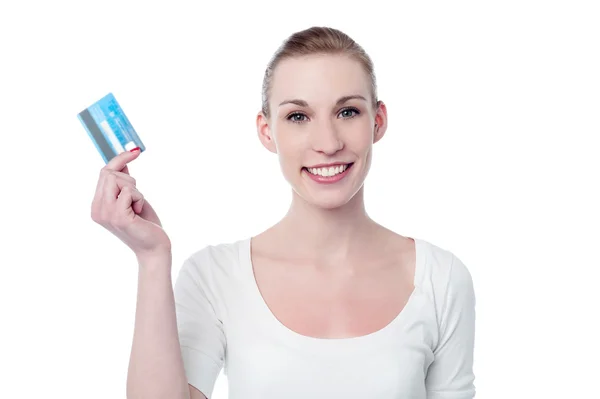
(326, 234)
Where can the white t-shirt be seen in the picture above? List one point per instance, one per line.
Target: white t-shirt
(224, 322)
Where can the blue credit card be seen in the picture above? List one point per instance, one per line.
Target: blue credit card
(109, 128)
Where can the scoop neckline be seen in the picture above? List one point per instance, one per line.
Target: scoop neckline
(288, 335)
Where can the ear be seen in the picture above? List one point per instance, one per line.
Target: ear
(381, 121)
(264, 132)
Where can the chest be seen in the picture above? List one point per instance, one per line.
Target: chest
(282, 374)
(325, 304)
(265, 362)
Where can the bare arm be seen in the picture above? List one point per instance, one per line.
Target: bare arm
(156, 365)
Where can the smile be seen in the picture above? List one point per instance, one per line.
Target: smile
(330, 174)
(328, 171)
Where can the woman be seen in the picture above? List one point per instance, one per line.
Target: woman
(327, 303)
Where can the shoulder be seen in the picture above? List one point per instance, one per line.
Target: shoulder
(214, 263)
(442, 265)
(221, 255)
(444, 277)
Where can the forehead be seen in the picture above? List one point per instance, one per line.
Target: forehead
(318, 79)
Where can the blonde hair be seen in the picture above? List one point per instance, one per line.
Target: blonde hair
(317, 40)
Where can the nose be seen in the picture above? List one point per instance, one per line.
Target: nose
(325, 138)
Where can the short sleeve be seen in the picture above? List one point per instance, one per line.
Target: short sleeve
(201, 334)
(451, 376)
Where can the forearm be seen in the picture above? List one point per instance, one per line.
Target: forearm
(156, 365)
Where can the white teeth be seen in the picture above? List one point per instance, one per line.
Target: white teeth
(327, 172)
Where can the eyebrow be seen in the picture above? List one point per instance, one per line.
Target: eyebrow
(340, 101)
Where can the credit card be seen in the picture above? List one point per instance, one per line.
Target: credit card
(109, 128)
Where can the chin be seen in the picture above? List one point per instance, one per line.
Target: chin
(327, 197)
(333, 202)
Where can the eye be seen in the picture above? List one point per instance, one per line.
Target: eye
(348, 113)
(296, 117)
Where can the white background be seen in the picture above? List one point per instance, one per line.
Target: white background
(492, 152)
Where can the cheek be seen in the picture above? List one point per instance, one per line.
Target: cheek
(290, 148)
(360, 138)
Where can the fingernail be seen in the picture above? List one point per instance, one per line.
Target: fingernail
(134, 149)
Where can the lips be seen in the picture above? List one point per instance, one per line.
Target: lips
(328, 175)
(329, 170)
(328, 165)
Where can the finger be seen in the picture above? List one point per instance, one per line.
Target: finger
(124, 178)
(148, 213)
(130, 201)
(117, 164)
(99, 188)
(138, 201)
(120, 161)
(114, 184)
